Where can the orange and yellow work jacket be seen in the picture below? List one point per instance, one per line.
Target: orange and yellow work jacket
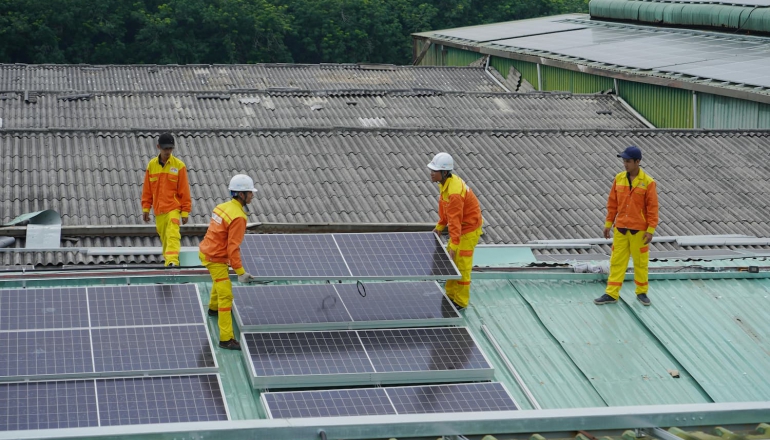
(458, 208)
(166, 187)
(222, 243)
(633, 207)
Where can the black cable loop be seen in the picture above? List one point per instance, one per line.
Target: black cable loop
(359, 286)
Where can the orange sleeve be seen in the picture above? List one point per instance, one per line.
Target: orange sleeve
(146, 192)
(612, 206)
(652, 207)
(441, 215)
(235, 234)
(454, 217)
(184, 193)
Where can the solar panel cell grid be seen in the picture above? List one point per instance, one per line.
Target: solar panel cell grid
(47, 405)
(171, 399)
(152, 348)
(306, 353)
(31, 353)
(279, 305)
(422, 349)
(396, 301)
(27, 309)
(144, 305)
(301, 255)
(451, 398)
(331, 403)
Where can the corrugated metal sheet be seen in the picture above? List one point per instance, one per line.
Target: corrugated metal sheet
(749, 17)
(717, 329)
(459, 57)
(528, 70)
(576, 82)
(614, 351)
(376, 176)
(545, 367)
(169, 78)
(398, 109)
(722, 112)
(664, 107)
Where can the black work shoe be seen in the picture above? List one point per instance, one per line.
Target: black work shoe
(171, 265)
(213, 313)
(458, 306)
(232, 344)
(605, 299)
(642, 297)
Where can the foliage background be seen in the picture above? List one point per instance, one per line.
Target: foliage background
(240, 31)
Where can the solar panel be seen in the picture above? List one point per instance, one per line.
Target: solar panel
(27, 309)
(47, 405)
(342, 306)
(144, 305)
(264, 306)
(291, 360)
(425, 349)
(336, 256)
(48, 352)
(292, 255)
(466, 397)
(168, 399)
(328, 403)
(425, 399)
(386, 255)
(171, 348)
(498, 31)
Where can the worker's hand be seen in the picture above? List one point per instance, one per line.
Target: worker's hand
(245, 278)
(607, 232)
(184, 220)
(647, 238)
(146, 217)
(437, 232)
(452, 254)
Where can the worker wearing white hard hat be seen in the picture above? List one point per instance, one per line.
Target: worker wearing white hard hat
(221, 249)
(458, 211)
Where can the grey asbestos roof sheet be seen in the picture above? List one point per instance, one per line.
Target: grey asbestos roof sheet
(533, 184)
(168, 78)
(398, 109)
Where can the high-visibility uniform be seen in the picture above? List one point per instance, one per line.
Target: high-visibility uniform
(167, 191)
(222, 247)
(633, 209)
(458, 208)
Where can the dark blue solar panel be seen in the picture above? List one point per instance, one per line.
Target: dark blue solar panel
(301, 255)
(421, 349)
(289, 304)
(144, 305)
(329, 403)
(150, 400)
(464, 397)
(306, 353)
(385, 255)
(396, 301)
(31, 353)
(27, 309)
(152, 348)
(47, 405)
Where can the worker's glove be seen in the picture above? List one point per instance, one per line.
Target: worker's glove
(245, 278)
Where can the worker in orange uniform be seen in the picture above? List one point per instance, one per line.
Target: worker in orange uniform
(633, 208)
(458, 208)
(167, 191)
(222, 247)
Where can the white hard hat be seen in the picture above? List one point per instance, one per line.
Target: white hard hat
(442, 162)
(241, 182)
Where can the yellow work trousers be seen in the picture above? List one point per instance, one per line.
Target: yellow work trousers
(167, 226)
(459, 291)
(221, 296)
(623, 246)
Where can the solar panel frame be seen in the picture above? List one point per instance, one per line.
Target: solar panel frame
(388, 304)
(451, 398)
(332, 261)
(366, 376)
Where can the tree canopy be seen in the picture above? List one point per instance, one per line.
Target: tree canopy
(240, 31)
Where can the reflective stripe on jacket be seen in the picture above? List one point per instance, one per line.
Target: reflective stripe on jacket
(222, 243)
(635, 207)
(166, 187)
(458, 208)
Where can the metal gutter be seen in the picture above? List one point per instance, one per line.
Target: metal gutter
(429, 425)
